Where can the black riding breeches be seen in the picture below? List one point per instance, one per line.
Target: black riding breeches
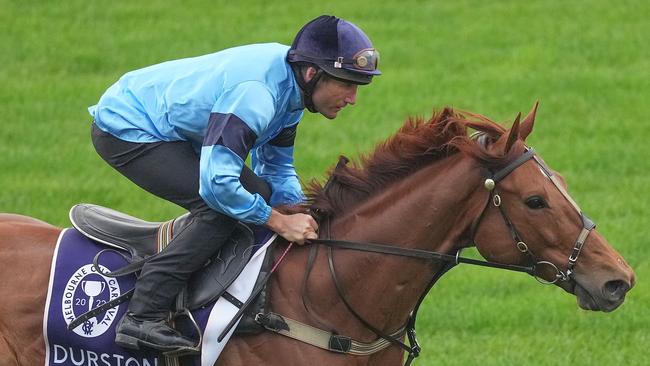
(170, 170)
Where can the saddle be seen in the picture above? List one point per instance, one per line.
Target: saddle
(142, 239)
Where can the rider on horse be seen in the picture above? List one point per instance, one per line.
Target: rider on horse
(183, 129)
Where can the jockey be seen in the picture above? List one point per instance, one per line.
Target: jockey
(183, 129)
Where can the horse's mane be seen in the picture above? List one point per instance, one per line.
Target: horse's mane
(416, 144)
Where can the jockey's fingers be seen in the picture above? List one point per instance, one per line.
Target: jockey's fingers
(307, 236)
(313, 223)
(299, 241)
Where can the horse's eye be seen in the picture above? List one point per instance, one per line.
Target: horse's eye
(536, 202)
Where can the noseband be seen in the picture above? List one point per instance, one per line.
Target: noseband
(495, 199)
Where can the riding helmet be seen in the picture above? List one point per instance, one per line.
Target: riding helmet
(338, 47)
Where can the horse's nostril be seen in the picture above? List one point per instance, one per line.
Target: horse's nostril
(616, 289)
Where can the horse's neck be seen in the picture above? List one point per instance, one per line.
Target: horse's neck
(428, 210)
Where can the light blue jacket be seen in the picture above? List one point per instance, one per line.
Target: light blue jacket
(227, 104)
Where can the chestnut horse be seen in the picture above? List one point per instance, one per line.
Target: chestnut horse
(424, 189)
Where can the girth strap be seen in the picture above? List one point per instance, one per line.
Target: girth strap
(321, 338)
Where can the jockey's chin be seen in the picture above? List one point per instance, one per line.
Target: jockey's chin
(330, 113)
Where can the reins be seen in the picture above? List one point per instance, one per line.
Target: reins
(346, 345)
(418, 253)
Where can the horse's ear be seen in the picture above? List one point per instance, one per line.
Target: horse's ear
(529, 121)
(513, 135)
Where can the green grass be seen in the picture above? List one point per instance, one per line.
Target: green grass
(587, 62)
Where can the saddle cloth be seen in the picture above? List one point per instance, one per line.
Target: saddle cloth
(75, 287)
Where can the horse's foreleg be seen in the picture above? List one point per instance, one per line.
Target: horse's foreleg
(7, 355)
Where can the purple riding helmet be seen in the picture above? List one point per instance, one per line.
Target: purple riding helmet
(336, 47)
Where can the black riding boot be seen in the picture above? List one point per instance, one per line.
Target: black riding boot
(163, 277)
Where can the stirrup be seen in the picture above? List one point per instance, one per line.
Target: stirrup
(185, 351)
(134, 343)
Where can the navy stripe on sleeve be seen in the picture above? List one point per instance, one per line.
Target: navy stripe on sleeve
(285, 138)
(230, 131)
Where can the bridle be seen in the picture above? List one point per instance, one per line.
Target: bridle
(490, 183)
(335, 342)
(495, 199)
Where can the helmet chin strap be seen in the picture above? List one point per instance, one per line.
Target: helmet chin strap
(307, 87)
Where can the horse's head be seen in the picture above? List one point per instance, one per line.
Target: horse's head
(531, 220)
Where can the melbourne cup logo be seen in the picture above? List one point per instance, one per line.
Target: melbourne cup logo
(85, 291)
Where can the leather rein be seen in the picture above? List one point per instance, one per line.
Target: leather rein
(413, 349)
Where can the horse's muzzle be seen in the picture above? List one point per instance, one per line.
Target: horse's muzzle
(610, 296)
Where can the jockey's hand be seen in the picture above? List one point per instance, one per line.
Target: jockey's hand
(295, 228)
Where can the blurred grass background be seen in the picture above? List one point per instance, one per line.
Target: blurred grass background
(587, 62)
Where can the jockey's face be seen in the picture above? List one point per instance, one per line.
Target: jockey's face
(332, 95)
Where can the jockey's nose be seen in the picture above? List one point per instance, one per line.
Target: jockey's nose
(351, 98)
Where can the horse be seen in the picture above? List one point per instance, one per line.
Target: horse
(432, 188)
